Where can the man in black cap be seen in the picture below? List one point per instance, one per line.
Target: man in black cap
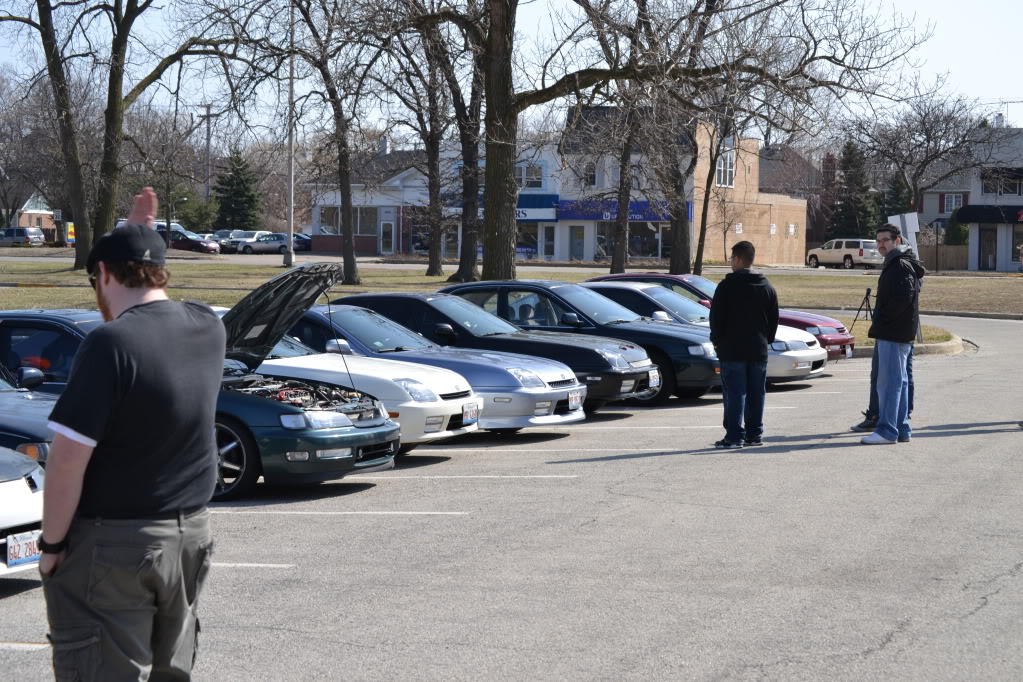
(126, 540)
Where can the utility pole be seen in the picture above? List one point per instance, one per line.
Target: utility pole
(209, 136)
(289, 255)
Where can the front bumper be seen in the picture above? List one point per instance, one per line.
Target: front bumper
(526, 407)
(373, 449)
(795, 365)
(419, 421)
(613, 385)
(836, 345)
(694, 371)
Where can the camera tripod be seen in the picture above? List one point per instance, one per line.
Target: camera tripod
(865, 309)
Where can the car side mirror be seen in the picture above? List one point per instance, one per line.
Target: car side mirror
(340, 346)
(661, 316)
(30, 377)
(571, 320)
(445, 331)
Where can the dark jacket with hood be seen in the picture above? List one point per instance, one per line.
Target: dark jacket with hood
(743, 317)
(897, 311)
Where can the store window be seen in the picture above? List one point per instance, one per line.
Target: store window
(365, 217)
(527, 242)
(643, 240)
(604, 241)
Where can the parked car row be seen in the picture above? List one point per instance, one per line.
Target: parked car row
(22, 236)
(317, 392)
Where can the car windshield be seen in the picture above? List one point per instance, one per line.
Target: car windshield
(677, 304)
(290, 348)
(33, 232)
(376, 331)
(600, 309)
(191, 235)
(471, 317)
(703, 285)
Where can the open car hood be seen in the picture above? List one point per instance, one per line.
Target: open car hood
(260, 320)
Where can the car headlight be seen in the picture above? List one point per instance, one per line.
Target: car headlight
(779, 346)
(526, 378)
(703, 349)
(315, 419)
(418, 390)
(798, 345)
(814, 330)
(37, 451)
(616, 360)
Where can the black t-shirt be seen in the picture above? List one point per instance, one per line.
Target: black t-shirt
(144, 387)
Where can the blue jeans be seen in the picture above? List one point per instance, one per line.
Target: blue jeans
(872, 408)
(744, 390)
(893, 390)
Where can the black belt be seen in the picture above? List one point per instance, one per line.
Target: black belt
(158, 516)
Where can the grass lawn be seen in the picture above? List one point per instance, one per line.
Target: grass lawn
(978, 294)
(931, 334)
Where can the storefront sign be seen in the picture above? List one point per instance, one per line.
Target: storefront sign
(591, 209)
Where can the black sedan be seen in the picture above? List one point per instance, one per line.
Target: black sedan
(611, 370)
(684, 355)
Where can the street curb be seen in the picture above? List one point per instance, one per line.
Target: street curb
(940, 313)
(951, 347)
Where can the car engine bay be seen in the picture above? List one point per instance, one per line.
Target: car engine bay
(362, 409)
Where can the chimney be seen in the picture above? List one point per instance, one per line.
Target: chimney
(999, 120)
(384, 146)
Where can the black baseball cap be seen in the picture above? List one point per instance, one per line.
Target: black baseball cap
(128, 244)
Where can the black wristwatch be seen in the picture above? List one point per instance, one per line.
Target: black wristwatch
(52, 547)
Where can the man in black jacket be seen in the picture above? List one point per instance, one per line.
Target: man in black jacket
(743, 322)
(894, 327)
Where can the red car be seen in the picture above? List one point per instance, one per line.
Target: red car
(830, 333)
(190, 241)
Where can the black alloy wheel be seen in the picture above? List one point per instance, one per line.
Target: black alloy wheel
(847, 263)
(814, 263)
(668, 381)
(247, 250)
(238, 465)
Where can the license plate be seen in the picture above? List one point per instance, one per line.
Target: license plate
(848, 351)
(655, 378)
(23, 548)
(575, 399)
(470, 413)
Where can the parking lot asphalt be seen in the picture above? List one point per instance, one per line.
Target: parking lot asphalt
(625, 547)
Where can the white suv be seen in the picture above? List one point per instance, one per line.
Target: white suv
(847, 253)
(27, 236)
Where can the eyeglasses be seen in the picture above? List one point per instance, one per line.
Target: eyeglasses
(92, 280)
(885, 241)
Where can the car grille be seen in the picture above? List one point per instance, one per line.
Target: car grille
(817, 364)
(455, 396)
(374, 451)
(561, 407)
(562, 383)
(455, 422)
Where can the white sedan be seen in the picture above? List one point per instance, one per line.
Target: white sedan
(794, 355)
(429, 403)
(21, 511)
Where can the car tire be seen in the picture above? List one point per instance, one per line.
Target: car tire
(283, 249)
(237, 456)
(814, 263)
(591, 406)
(505, 432)
(847, 263)
(691, 392)
(247, 250)
(668, 380)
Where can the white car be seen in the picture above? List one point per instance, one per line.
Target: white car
(429, 403)
(794, 355)
(21, 511)
(846, 253)
(245, 242)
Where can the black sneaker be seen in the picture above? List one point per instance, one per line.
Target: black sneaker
(867, 425)
(752, 443)
(727, 445)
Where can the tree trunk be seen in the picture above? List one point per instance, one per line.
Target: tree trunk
(68, 134)
(467, 257)
(113, 122)
(681, 243)
(499, 229)
(705, 211)
(621, 246)
(344, 179)
(435, 268)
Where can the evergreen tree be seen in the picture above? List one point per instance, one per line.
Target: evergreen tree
(237, 196)
(897, 198)
(856, 212)
(956, 234)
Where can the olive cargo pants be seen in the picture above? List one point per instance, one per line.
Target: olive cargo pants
(122, 605)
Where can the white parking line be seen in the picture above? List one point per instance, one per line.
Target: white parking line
(559, 450)
(23, 646)
(624, 428)
(336, 513)
(391, 478)
(216, 564)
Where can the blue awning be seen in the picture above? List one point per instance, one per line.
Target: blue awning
(595, 209)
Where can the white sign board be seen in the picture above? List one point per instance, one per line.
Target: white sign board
(909, 225)
(56, 215)
(774, 229)
(738, 228)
